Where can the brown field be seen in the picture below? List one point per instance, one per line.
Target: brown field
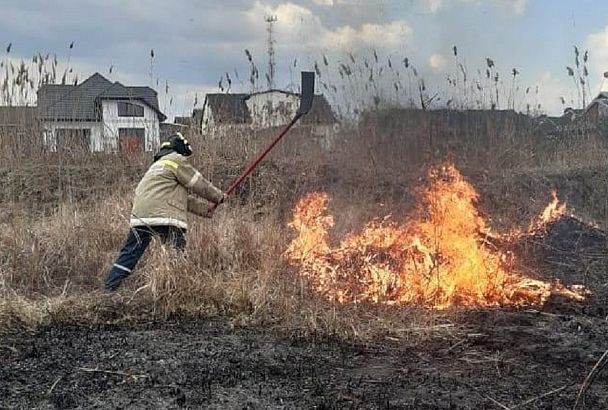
(232, 325)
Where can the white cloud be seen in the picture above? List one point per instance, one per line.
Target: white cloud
(429, 6)
(551, 90)
(298, 27)
(597, 44)
(434, 6)
(334, 2)
(378, 35)
(437, 63)
(519, 6)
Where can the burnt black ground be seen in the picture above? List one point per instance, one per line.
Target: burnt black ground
(497, 356)
(486, 359)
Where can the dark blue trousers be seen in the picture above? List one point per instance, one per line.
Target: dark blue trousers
(134, 247)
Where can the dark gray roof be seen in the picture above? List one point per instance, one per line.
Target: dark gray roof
(81, 102)
(167, 129)
(601, 98)
(228, 108)
(73, 102)
(232, 108)
(547, 126)
(187, 121)
(147, 95)
(320, 112)
(51, 93)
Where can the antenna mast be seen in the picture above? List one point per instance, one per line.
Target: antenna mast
(270, 20)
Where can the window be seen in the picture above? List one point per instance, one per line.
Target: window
(127, 109)
(131, 140)
(73, 140)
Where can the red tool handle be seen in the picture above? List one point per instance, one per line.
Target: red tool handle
(255, 163)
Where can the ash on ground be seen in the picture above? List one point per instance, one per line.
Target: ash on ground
(571, 250)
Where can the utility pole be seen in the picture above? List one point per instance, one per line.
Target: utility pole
(270, 20)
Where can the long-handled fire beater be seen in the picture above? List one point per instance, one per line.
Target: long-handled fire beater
(306, 98)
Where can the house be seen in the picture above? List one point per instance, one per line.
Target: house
(99, 115)
(592, 120)
(587, 122)
(224, 113)
(557, 127)
(597, 110)
(577, 123)
(183, 121)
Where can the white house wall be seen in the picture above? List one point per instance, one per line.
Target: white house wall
(272, 109)
(50, 137)
(269, 110)
(112, 122)
(207, 123)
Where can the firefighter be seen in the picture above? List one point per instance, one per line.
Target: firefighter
(161, 205)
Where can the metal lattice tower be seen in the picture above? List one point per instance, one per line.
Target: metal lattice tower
(270, 20)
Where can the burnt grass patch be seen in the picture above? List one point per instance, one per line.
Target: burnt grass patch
(530, 359)
(478, 359)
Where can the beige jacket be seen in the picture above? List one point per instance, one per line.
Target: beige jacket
(161, 198)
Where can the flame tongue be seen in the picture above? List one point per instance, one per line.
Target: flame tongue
(438, 258)
(551, 213)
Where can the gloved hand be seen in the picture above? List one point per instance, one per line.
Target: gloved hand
(212, 209)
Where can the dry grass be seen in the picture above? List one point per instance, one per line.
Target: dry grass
(65, 219)
(233, 267)
(52, 265)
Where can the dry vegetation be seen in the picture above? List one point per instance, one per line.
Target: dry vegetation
(64, 220)
(57, 243)
(64, 217)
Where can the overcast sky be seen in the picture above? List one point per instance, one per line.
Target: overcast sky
(196, 41)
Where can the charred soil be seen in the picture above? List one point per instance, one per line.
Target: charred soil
(496, 359)
(467, 359)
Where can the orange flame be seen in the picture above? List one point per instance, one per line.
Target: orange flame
(553, 211)
(440, 257)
